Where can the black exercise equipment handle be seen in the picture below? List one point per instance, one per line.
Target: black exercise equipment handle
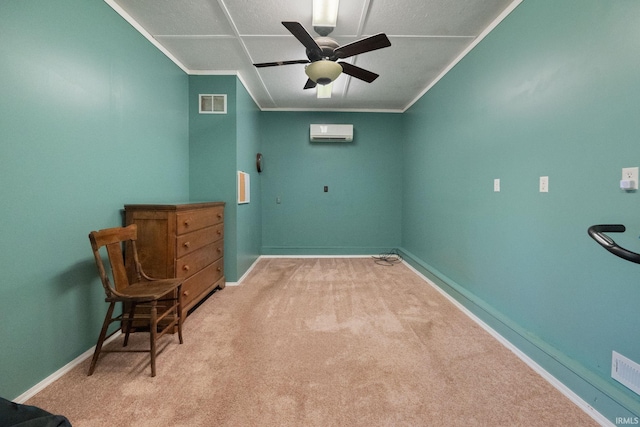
(595, 231)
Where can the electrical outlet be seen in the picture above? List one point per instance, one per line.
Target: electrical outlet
(544, 184)
(630, 174)
(496, 185)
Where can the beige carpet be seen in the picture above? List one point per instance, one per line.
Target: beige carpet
(317, 342)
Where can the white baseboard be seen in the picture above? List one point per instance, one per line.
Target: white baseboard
(60, 372)
(577, 400)
(246, 273)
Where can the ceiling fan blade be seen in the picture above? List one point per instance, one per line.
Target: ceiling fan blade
(310, 84)
(275, 64)
(302, 35)
(361, 46)
(357, 72)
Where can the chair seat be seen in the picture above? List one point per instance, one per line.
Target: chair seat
(148, 291)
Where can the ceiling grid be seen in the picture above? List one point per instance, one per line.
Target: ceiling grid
(227, 36)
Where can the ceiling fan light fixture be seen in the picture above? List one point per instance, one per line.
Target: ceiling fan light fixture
(324, 91)
(324, 71)
(325, 13)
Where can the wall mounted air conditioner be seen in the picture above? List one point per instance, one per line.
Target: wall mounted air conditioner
(331, 133)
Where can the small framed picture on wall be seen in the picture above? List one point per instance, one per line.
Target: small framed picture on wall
(244, 188)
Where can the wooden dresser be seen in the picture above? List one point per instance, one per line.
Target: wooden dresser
(183, 240)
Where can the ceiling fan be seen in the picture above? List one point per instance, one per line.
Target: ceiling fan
(323, 54)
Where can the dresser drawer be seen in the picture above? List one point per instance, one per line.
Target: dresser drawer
(197, 260)
(201, 281)
(195, 240)
(196, 219)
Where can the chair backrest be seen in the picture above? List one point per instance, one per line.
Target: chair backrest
(113, 240)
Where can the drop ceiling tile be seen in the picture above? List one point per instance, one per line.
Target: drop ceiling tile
(272, 49)
(265, 17)
(350, 14)
(170, 17)
(434, 17)
(206, 53)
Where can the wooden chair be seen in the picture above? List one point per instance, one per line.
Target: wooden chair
(144, 291)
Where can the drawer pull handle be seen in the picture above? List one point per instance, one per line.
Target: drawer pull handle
(219, 250)
(186, 244)
(187, 222)
(219, 232)
(185, 267)
(219, 269)
(220, 216)
(185, 293)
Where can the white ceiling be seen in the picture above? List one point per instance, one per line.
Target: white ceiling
(427, 38)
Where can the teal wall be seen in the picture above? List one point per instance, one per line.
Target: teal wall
(220, 145)
(249, 216)
(361, 212)
(552, 91)
(91, 117)
(213, 158)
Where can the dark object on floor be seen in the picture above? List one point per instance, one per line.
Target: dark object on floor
(17, 415)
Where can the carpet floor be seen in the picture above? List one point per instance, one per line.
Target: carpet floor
(317, 342)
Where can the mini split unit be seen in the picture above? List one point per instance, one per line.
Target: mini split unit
(331, 133)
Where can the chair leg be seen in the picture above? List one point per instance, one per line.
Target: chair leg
(128, 324)
(153, 326)
(103, 334)
(179, 314)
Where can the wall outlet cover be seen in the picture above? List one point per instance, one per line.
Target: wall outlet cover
(544, 184)
(630, 174)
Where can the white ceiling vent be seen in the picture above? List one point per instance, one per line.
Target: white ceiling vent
(331, 133)
(212, 104)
